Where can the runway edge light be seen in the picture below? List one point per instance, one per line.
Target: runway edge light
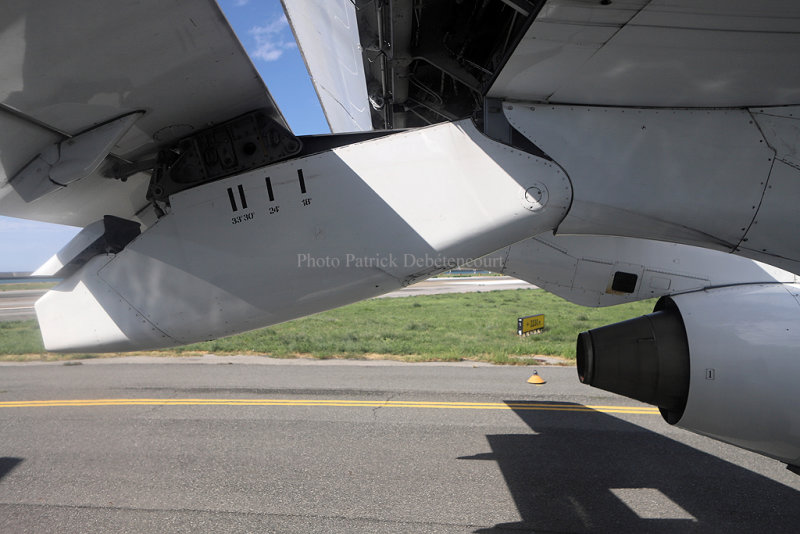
(536, 379)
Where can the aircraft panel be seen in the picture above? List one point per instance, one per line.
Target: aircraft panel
(669, 54)
(69, 66)
(327, 34)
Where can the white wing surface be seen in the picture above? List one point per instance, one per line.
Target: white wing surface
(327, 34)
(659, 53)
(71, 66)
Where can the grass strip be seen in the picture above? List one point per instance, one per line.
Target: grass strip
(449, 327)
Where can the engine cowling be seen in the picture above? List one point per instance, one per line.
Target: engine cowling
(723, 362)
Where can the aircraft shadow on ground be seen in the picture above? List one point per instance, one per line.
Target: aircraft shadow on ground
(569, 475)
(7, 464)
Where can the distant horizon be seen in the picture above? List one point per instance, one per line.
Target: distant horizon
(263, 30)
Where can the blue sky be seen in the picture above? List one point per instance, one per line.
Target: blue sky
(264, 31)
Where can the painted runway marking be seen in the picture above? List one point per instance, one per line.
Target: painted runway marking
(543, 406)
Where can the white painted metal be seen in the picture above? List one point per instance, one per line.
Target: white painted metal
(371, 219)
(73, 65)
(581, 268)
(774, 232)
(664, 53)
(71, 250)
(60, 164)
(20, 141)
(327, 34)
(774, 226)
(689, 176)
(564, 36)
(83, 62)
(85, 308)
(781, 129)
(744, 367)
(83, 202)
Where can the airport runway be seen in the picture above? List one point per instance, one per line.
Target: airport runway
(435, 286)
(246, 444)
(18, 305)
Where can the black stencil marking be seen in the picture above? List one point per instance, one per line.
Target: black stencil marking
(233, 200)
(241, 195)
(269, 189)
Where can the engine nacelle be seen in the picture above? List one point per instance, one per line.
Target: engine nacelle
(722, 362)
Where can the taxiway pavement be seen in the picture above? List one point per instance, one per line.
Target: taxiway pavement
(17, 305)
(248, 444)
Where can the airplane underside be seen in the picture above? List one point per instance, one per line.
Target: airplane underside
(317, 231)
(521, 135)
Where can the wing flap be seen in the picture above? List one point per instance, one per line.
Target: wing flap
(327, 34)
(20, 141)
(69, 66)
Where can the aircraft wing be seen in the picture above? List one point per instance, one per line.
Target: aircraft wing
(676, 123)
(590, 142)
(327, 34)
(657, 53)
(431, 63)
(71, 66)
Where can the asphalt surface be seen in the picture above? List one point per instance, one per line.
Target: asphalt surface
(436, 286)
(17, 305)
(247, 444)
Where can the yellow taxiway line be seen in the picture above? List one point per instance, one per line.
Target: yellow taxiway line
(545, 406)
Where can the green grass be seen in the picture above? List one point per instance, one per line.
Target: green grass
(451, 327)
(20, 337)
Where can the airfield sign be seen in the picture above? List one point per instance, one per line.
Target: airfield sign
(531, 323)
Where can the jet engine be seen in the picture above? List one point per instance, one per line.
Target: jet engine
(721, 362)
